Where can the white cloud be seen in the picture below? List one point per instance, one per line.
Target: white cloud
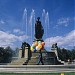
(21, 38)
(18, 31)
(7, 39)
(65, 41)
(63, 21)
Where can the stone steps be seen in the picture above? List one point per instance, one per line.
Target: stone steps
(18, 61)
(33, 61)
(36, 68)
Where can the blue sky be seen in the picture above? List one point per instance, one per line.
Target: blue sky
(61, 21)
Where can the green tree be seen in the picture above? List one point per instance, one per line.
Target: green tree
(73, 54)
(8, 52)
(64, 54)
(1, 54)
(5, 54)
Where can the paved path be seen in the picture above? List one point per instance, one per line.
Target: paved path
(36, 68)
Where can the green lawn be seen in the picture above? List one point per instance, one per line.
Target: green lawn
(73, 73)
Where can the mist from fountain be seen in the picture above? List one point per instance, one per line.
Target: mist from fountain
(45, 21)
(29, 24)
(25, 20)
(32, 23)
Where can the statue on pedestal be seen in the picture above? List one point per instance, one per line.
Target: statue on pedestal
(39, 31)
(54, 45)
(38, 43)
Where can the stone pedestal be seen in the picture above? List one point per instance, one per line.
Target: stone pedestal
(55, 51)
(20, 53)
(26, 52)
(35, 57)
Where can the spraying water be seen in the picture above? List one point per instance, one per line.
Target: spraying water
(43, 16)
(45, 21)
(24, 27)
(29, 24)
(47, 24)
(32, 23)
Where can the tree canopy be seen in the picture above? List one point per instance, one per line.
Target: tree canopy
(5, 54)
(65, 54)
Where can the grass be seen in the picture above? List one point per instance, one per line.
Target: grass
(71, 73)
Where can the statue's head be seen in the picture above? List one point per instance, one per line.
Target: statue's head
(38, 18)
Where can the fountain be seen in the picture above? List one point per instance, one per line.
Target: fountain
(33, 54)
(36, 54)
(37, 29)
(38, 43)
(33, 51)
(29, 24)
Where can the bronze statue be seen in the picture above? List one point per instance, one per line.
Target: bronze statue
(39, 31)
(54, 45)
(25, 44)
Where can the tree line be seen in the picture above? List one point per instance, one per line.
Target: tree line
(66, 55)
(6, 54)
